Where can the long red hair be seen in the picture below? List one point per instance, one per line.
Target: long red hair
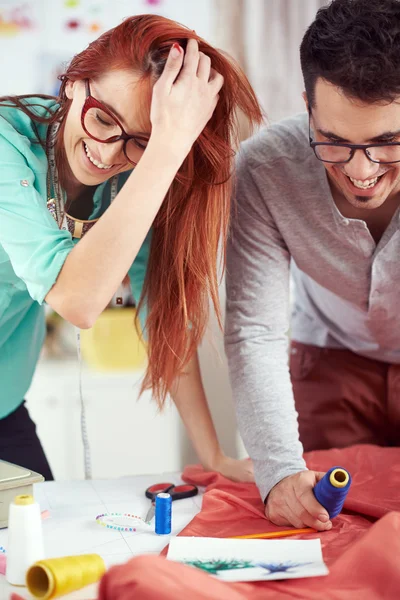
(182, 269)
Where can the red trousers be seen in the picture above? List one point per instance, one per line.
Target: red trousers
(344, 399)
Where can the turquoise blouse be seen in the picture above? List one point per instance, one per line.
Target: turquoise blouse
(32, 249)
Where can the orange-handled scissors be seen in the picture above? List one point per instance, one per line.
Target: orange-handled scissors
(177, 492)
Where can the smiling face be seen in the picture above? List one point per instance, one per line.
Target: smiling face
(336, 118)
(92, 162)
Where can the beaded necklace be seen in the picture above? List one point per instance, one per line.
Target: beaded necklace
(56, 204)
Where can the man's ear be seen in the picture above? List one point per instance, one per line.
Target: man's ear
(304, 94)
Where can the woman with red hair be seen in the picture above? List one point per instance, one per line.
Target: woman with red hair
(129, 171)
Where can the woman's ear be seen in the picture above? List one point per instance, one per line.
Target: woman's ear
(70, 89)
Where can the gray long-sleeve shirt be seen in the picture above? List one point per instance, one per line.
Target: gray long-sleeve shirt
(284, 218)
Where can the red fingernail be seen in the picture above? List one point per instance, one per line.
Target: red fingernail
(177, 47)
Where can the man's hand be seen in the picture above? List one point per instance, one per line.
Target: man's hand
(292, 502)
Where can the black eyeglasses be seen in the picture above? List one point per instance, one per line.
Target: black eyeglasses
(340, 153)
(103, 126)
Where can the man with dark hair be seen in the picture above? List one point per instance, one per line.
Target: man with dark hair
(318, 196)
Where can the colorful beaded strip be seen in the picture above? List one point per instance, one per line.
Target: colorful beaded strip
(117, 527)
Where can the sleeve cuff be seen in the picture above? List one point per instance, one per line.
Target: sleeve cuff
(39, 294)
(267, 477)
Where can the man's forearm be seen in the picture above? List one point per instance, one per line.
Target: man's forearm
(265, 408)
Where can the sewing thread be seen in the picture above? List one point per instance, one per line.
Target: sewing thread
(332, 489)
(25, 538)
(56, 577)
(163, 513)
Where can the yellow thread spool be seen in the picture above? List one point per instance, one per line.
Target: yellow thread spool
(23, 500)
(339, 478)
(56, 577)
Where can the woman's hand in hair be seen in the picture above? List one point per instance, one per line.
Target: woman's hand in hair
(184, 98)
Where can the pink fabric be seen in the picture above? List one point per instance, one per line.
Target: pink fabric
(3, 562)
(361, 552)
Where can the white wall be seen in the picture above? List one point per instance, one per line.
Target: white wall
(127, 435)
(30, 55)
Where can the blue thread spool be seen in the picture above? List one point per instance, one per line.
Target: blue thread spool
(332, 489)
(163, 513)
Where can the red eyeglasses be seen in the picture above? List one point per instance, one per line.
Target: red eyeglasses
(101, 125)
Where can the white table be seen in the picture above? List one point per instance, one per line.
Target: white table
(71, 528)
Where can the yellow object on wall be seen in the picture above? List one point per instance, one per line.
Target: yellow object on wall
(113, 344)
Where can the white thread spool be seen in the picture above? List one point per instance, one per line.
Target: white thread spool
(25, 538)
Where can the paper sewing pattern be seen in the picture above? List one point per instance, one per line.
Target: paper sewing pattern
(250, 560)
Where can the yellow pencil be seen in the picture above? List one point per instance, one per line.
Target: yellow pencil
(275, 534)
